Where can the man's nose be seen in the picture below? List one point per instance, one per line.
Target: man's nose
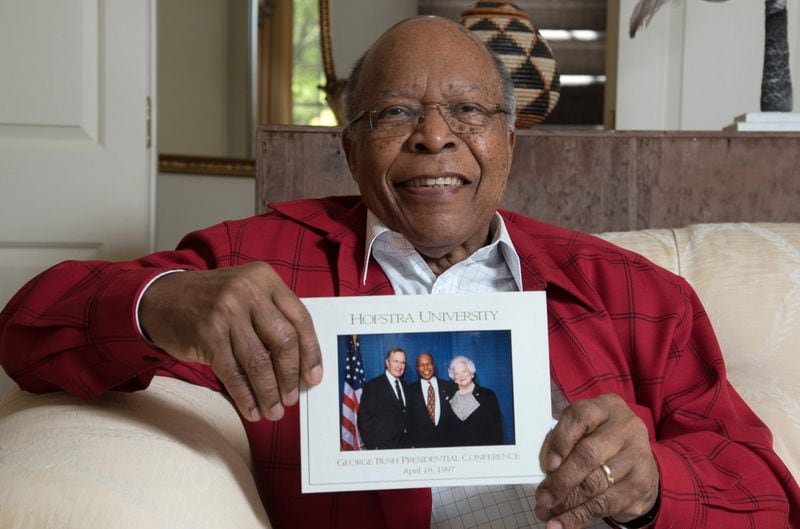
(432, 134)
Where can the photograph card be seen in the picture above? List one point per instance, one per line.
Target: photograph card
(427, 391)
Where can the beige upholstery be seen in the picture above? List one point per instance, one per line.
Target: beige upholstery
(176, 456)
(748, 278)
(173, 456)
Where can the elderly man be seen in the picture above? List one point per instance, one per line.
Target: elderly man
(383, 411)
(650, 431)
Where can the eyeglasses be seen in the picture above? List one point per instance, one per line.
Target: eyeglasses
(401, 120)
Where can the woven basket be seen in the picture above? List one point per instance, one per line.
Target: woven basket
(507, 30)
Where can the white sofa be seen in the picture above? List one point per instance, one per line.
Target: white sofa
(175, 455)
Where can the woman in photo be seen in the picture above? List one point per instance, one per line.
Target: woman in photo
(476, 414)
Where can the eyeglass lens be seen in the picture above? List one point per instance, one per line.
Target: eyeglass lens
(400, 120)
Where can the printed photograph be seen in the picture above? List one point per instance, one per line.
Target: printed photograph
(425, 390)
(450, 390)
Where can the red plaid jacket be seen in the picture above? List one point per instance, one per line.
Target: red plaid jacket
(617, 323)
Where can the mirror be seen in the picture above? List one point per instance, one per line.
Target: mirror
(206, 113)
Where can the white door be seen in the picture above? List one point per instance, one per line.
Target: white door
(75, 168)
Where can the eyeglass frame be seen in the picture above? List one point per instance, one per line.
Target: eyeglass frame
(496, 108)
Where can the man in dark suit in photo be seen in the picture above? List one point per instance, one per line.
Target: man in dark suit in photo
(427, 406)
(382, 413)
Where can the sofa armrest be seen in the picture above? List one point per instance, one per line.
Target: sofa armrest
(748, 278)
(174, 455)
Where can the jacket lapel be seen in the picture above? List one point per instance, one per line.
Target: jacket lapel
(343, 221)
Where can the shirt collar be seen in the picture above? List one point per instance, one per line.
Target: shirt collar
(342, 220)
(497, 227)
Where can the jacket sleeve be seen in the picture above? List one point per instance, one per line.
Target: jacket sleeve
(367, 416)
(73, 327)
(715, 456)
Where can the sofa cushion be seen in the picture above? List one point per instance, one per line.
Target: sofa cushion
(174, 455)
(748, 278)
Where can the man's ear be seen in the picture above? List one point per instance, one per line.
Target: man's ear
(350, 152)
(512, 140)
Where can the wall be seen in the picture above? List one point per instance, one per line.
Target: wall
(185, 203)
(696, 66)
(355, 24)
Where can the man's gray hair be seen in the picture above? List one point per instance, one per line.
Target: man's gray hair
(393, 350)
(354, 92)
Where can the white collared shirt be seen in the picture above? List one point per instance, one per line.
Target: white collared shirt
(391, 378)
(493, 268)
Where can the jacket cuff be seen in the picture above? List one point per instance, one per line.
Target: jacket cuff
(139, 297)
(113, 312)
(677, 494)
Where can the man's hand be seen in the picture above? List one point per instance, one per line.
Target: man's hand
(592, 433)
(246, 324)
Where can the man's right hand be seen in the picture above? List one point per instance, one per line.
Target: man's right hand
(246, 324)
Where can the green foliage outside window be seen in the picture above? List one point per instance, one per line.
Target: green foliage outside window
(309, 106)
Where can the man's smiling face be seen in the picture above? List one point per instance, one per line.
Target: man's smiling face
(437, 187)
(425, 366)
(396, 363)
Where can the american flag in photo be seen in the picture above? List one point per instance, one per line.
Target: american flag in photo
(351, 396)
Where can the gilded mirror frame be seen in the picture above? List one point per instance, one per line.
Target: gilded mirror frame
(334, 87)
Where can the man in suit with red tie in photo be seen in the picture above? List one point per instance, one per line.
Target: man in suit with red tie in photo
(382, 414)
(428, 406)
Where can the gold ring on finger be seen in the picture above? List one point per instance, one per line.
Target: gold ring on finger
(607, 472)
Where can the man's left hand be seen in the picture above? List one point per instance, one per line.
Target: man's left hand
(599, 465)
